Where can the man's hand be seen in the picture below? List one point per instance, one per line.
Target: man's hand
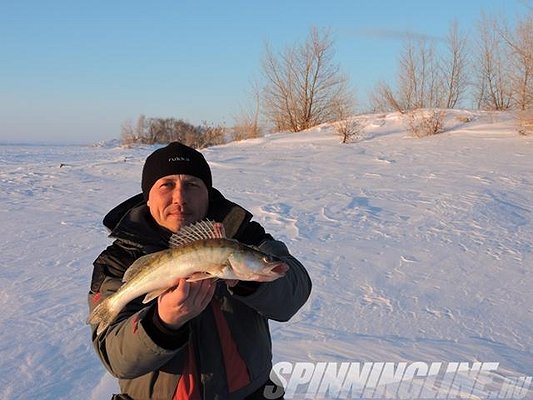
(184, 301)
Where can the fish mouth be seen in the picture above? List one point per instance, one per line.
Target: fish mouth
(272, 272)
(279, 268)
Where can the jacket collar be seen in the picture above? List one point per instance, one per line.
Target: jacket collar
(131, 221)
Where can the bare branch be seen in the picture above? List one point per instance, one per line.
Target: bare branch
(302, 82)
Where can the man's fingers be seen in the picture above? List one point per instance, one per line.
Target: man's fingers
(185, 301)
(203, 292)
(182, 285)
(195, 295)
(180, 290)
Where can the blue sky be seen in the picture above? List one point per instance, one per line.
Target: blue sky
(74, 71)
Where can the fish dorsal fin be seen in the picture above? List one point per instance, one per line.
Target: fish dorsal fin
(198, 231)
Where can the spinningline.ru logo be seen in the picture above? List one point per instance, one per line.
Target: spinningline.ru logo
(395, 380)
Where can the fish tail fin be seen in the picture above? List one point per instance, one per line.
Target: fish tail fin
(102, 315)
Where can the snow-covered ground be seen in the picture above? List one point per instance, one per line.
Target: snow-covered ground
(419, 249)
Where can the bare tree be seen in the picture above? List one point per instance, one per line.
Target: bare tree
(246, 125)
(302, 83)
(419, 85)
(345, 124)
(524, 53)
(407, 81)
(127, 134)
(140, 126)
(133, 134)
(520, 43)
(454, 67)
(493, 87)
(425, 86)
(383, 99)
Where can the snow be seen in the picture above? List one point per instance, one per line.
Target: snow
(419, 249)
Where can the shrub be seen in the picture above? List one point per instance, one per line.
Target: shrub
(350, 130)
(210, 135)
(425, 122)
(464, 118)
(525, 122)
(246, 127)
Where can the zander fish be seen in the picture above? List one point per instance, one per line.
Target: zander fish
(199, 251)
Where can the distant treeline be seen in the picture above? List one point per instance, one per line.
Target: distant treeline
(301, 86)
(166, 130)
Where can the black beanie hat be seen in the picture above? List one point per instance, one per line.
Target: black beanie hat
(174, 159)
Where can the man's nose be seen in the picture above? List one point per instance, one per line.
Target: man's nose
(178, 195)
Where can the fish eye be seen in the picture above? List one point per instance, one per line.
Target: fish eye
(268, 259)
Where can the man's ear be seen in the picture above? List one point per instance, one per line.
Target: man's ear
(148, 203)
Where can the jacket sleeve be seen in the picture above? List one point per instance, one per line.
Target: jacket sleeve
(281, 299)
(128, 348)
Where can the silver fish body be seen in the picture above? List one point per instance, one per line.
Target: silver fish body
(201, 259)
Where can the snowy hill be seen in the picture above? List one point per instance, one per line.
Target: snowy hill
(419, 249)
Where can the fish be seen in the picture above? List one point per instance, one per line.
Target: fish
(198, 251)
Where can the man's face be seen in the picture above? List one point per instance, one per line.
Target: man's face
(178, 200)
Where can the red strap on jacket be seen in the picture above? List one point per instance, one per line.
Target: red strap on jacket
(236, 370)
(187, 388)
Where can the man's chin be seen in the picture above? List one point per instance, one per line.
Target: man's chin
(175, 223)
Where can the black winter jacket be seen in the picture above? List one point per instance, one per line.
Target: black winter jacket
(147, 358)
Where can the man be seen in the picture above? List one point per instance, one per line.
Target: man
(202, 339)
